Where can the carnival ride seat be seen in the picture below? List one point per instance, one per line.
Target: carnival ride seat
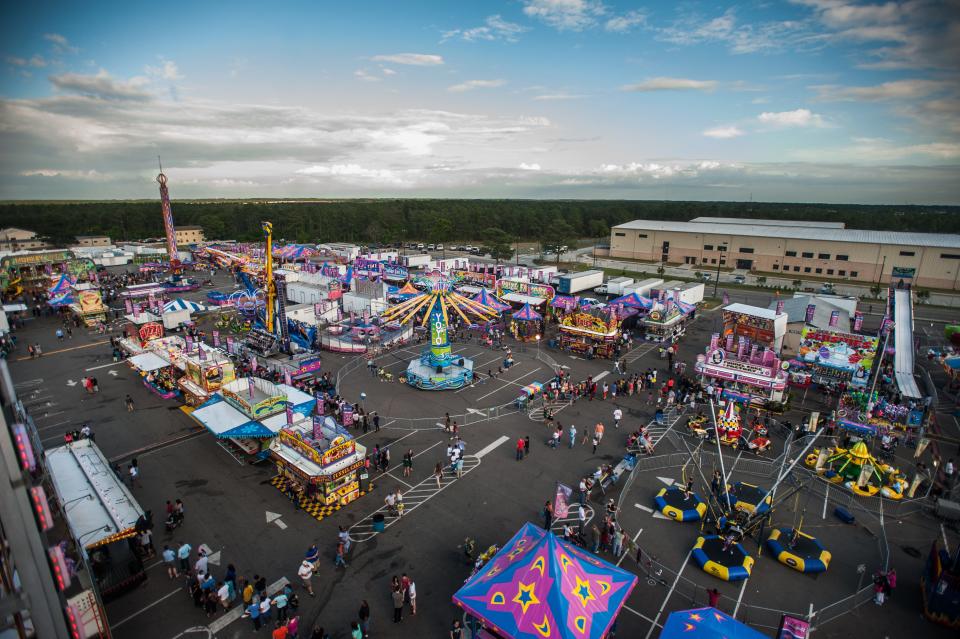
(670, 501)
(726, 561)
(798, 550)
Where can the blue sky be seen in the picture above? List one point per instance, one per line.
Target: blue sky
(800, 100)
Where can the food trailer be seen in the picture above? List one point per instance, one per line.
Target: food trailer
(204, 374)
(590, 327)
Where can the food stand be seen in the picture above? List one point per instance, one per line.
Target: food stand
(667, 320)
(89, 306)
(158, 373)
(833, 356)
(319, 460)
(101, 514)
(205, 375)
(744, 357)
(589, 327)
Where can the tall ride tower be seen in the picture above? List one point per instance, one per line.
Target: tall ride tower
(168, 227)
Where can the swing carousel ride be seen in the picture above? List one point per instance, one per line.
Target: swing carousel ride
(438, 367)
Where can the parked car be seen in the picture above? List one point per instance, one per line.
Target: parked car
(439, 247)
(706, 277)
(739, 279)
(420, 245)
(601, 290)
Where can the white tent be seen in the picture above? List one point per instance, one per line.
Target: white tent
(148, 361)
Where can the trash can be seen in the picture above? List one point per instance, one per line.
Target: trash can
(378, 524)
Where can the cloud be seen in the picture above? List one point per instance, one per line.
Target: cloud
(35, 60)
(363, 74)
(550, 97)
(60, 43)
(739, 37)
(102, 85)
(795, 118)
(470, 85)
(626, 22)
(387, 71)
(72, 175)
(166, 71)
(529, 167)
(894, 90)
(412, 59)
(865, 150)
(724, 132)
(565, 15)
(494, 28)
(671, 84)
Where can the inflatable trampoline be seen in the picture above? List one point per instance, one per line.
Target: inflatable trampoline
(670, 502)
(733, 564)
(748, 498)
(798, 550)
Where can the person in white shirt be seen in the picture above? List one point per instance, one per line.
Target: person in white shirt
(617, 416)
(224, 594)
(200, 567)
(305, 572)
(412, 594)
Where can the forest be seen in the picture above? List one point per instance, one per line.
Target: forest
(431, 220)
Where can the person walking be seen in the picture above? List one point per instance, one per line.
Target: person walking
(305, 572)
(341, 552)
(617, 416)
(183, 554)
(129, 402)
(364, 616)
(573, 435)
(520, 449)
(253, 611)
(408, 463)
(397, 596)
(526, 446)
(134, 473)
(170, 561)
(280, 603)
(713, 596)
(438, 474)
(412, 596)
(547, 515)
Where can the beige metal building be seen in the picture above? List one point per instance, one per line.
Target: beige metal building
(93, 240)
(189, 235)
(795, 250)
(14, 239)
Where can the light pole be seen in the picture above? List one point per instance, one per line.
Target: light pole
(538, 346)
(721, 249)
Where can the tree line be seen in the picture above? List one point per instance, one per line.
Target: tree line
(433, 220)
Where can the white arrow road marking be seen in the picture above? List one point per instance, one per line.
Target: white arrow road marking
(272, 516)
(280, 524)
(645, 509)
(70, 382)
(214, 558)
(668, 481)
(659, 515)
(112, 373)
(475, 411)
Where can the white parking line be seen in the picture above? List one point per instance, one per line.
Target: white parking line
(505, 382)
(235, 613)
(491, 446)
(743, 589)
(669, 594)
(96, 368)
(625, 553)
(600, 376)
(145, 608)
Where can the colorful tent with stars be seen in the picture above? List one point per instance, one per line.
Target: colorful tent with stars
(706, 623)
(541, 587)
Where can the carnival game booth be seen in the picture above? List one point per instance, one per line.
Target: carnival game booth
(250, 411)
(320, 460)
(526, 325)
(157, 373)
(540, 586)
(590, 327)
(517, 292)
(206, 370)
(560, 305)
(89, 306)
(743, 358)
(101, 513)
(832, 356)
(140, 292)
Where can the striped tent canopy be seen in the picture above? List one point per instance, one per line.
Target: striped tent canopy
(566, 302)
(181, 304)
(633, 301)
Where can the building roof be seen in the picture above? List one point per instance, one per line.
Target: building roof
(741, 220)
(756, 311)
(91, 237)
(754, 228)
(796, 310)
(14, 229)
(189, 228)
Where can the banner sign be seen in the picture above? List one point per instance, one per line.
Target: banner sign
(561, 503)
(396, 271)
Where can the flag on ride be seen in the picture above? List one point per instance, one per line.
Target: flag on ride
(561, 503)
(202, 353)
(834, 318)
(230, 344)
(287, 379)
(128, 305)
(216, 339)
(857, 322)
(347, 415)
(289, 413)
(253, 364)
(317, 430)
(189, 341)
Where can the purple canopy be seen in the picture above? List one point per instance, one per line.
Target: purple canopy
(527, 314)
(566, 302)
(488, 299)
(633, 301)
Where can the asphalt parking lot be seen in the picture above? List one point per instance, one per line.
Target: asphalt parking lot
(233, 509)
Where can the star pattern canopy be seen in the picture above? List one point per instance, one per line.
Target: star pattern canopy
(706, 623)
(540, 587)
(632, 301)
(527, 314)
(487, 298)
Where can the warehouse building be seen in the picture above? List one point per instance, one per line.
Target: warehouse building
(795, 250)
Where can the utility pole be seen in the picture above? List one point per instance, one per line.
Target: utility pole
(721, 249)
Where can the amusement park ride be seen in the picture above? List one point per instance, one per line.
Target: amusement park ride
(438, 368)
(176, 282)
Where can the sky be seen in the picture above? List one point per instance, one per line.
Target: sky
(778, 100)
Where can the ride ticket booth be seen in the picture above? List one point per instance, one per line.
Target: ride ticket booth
(320, 460)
